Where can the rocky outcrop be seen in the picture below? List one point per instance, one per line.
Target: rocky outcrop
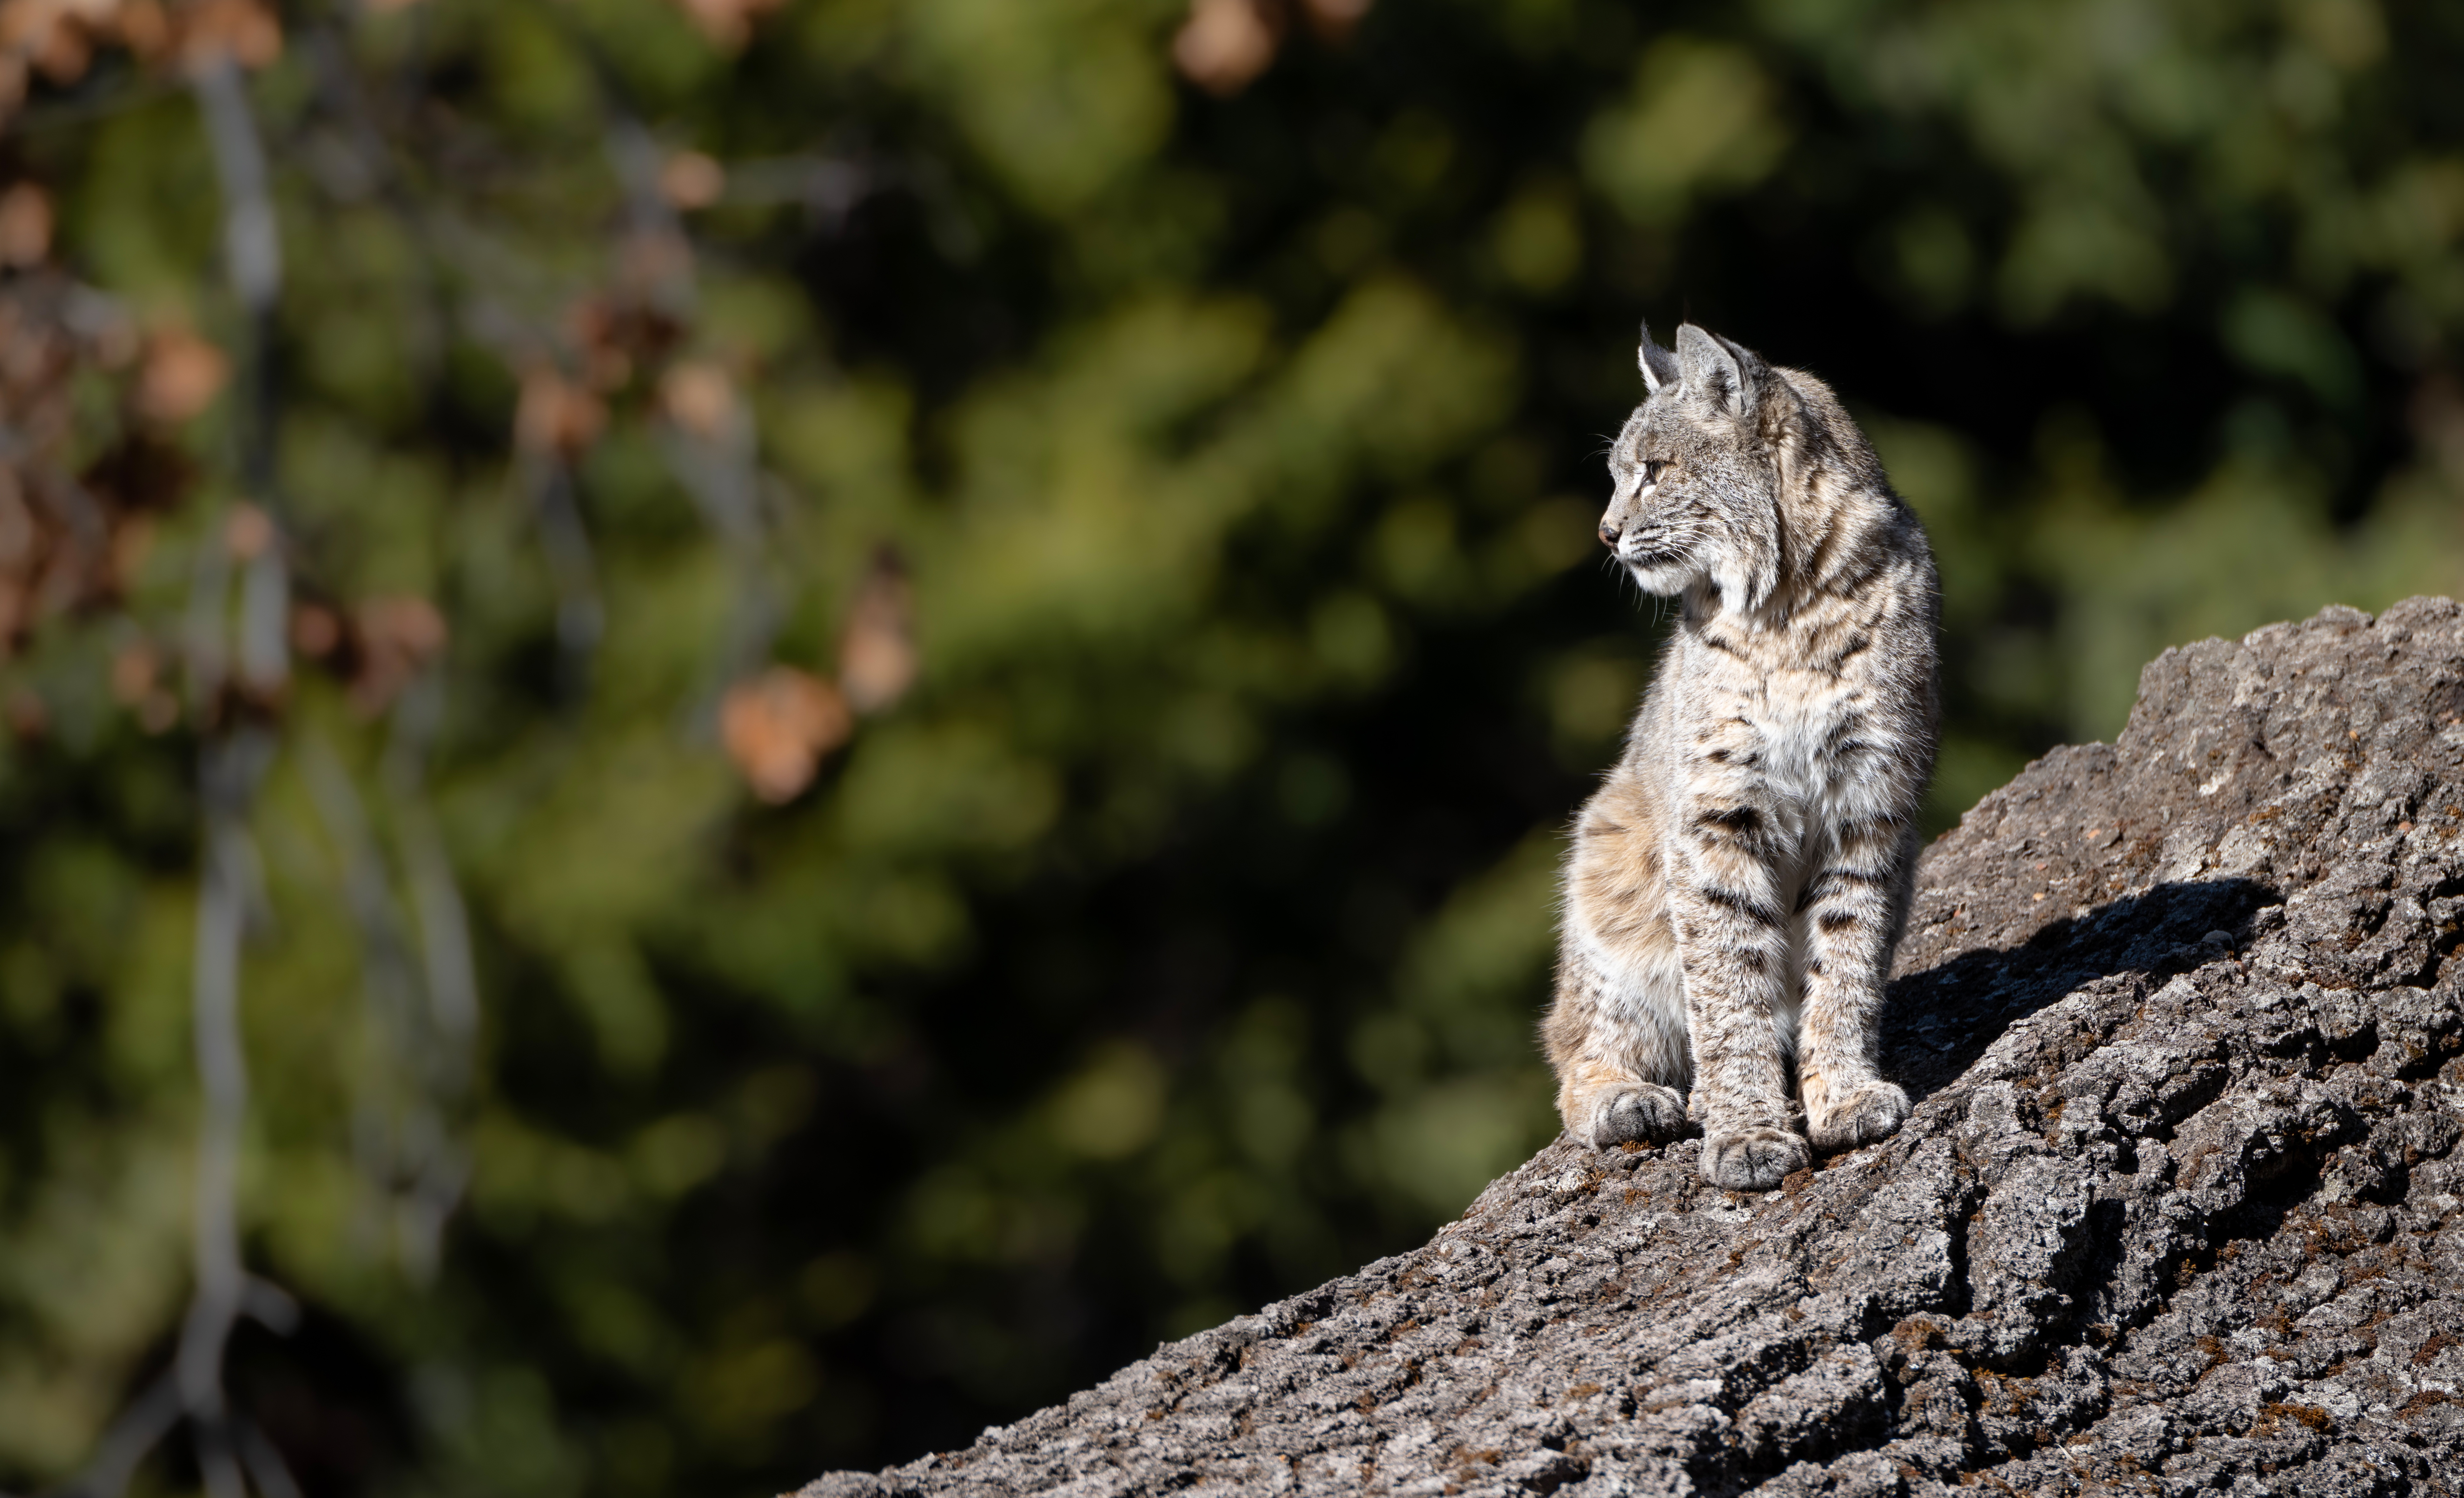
(2176, 1210)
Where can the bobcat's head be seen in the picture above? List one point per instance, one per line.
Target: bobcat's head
(1697, 500)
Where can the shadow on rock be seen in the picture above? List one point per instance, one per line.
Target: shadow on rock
(1941, 1019)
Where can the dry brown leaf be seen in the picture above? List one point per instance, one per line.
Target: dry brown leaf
(778, 726)
(403, 623)
(50, 36)
(600, 336)
(117, 340)
(315, 630)
(33, 359)
(247, 31)
(692, 180)
(727, 23)
(1334, 19)
(622, 325)
(73, 525)
(607, 370)
(17, 533)
(699, 397)
(877, 657)
(132, 541)
(397, 636)
(25, 226)
(181, 375)
(24, 24)
(132, 673)
(649, 262)
(136, 683)
(247, 532)
(1224, 44)
(58, 36)
(556, 416)
(143, 28)
(28, 715)
(65, 583)
(64, 55)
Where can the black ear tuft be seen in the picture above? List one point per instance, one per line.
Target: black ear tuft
(1658, 364)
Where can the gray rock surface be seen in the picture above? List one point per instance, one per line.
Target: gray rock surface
(2176, 1211)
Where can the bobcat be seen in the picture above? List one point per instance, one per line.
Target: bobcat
(1737, 885)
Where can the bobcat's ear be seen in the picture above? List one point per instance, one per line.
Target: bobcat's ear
(1710, 369)
(1658, 364)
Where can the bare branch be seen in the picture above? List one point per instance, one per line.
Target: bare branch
(437, 897)
(233, 766)
(137, 1431)
(251, 245)
(388, 981)
(547, 481)
(266, 1467)
(429, 1041)
(714, 459)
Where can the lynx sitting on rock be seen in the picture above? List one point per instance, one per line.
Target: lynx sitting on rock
(1736, 887)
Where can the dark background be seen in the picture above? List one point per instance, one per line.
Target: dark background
(1175, 433)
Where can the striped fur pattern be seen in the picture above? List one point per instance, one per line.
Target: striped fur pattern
(1737, 885)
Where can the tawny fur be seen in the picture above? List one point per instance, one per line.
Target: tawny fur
(1737, 886)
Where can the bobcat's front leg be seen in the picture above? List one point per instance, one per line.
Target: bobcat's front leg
(1853, 907)
(1732, 939)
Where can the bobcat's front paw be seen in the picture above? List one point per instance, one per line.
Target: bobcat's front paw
(1870, 1111)
(1643, 1111)
(1753, 1159)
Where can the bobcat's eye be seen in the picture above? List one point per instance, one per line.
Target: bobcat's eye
(1652, 469)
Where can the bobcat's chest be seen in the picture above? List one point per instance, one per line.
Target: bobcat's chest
(1769, 729)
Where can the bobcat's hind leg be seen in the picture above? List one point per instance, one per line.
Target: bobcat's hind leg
(1615, 1049)
(1602, 1106)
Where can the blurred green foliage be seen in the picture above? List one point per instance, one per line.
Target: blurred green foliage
(1175, 941)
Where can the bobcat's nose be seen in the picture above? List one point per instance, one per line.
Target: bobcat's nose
(1609, 534)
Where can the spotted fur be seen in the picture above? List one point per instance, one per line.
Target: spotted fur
(1737, 886)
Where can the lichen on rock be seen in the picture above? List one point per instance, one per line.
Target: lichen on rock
(2176, 1210)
